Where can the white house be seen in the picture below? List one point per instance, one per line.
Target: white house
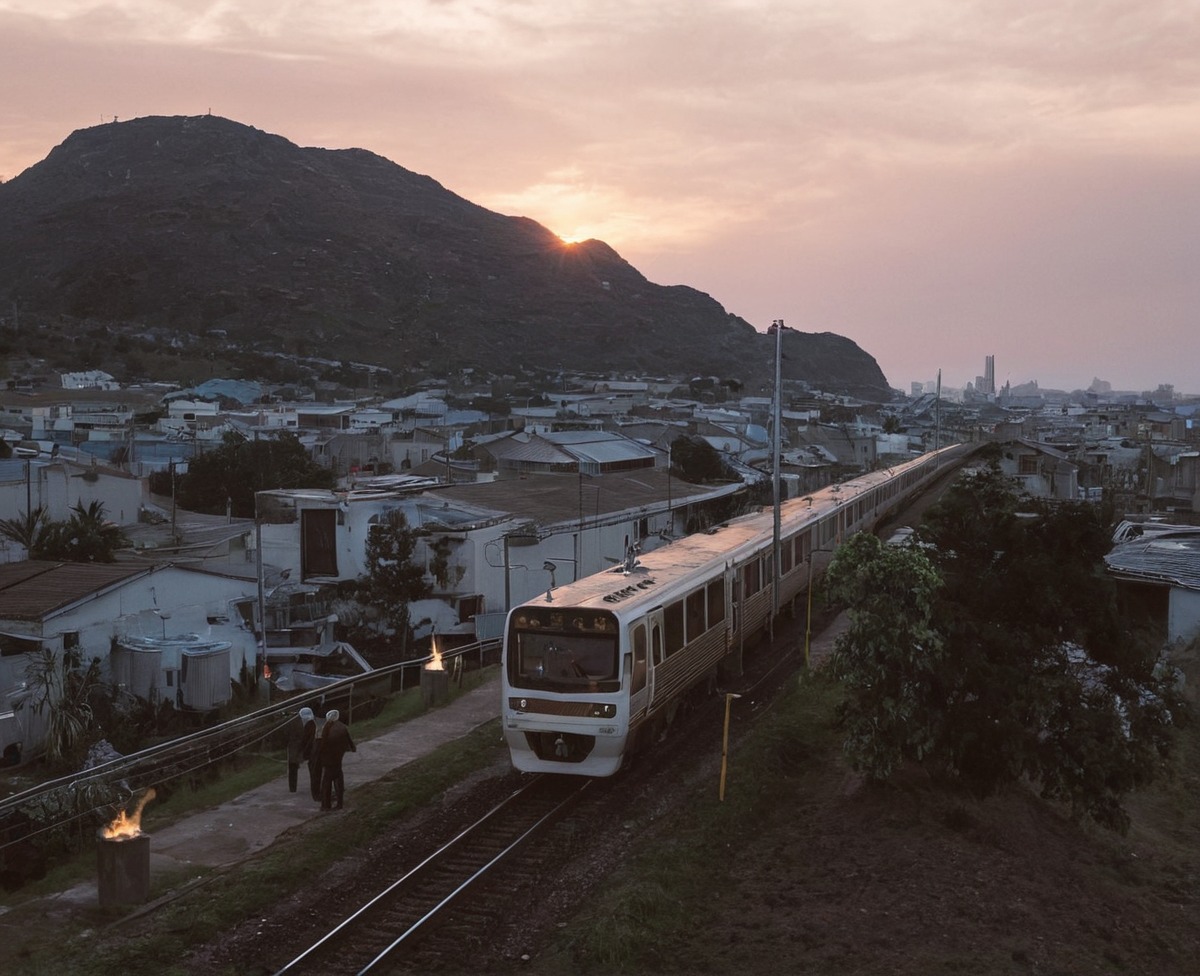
(163, 632)
(93, 379)
(58, 485)
(487, 546)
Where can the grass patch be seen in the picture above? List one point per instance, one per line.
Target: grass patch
(661, 899)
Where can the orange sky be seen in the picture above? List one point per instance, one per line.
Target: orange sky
(938, 180)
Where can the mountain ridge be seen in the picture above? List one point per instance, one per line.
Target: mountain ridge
(200, 223)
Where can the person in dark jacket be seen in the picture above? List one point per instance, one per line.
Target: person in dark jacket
(333, 743)
(295, 747)
(307, 753)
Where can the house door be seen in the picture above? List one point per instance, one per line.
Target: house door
(318, 551)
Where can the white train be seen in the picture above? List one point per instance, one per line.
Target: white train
(593, 670)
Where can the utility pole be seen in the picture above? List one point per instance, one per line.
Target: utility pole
(776, 420)
(262, 602)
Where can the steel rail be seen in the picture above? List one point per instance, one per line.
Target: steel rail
(348, 925)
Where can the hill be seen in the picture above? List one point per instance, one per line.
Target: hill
(197, 224)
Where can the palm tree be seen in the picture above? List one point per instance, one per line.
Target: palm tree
(89, 536)
(86, 537)
(31, 529)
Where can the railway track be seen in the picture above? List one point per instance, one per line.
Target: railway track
(388, 932)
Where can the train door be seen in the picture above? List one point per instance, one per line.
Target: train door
(641, 677)
(654, 622)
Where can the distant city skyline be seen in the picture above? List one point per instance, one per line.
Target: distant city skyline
(936, 181)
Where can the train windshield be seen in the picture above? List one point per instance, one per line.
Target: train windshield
(573, 650)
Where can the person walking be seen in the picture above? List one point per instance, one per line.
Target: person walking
(296, 732)
(334, 743)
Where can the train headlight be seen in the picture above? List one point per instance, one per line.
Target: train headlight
(603, 711)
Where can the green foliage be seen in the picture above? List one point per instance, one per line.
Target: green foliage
(233, 472)
(994, 652)
(697, 461)
(393, 580)
(29, 529)
(86, 537)
(63, 689)
(890, 658)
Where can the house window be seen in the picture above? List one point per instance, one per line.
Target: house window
(1029, 464)
(70, 640)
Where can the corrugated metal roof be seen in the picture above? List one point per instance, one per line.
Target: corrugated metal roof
(535, 450)
(34, 589)
(612, 452)
(572, 437)
(1166, 560)
(600, 446)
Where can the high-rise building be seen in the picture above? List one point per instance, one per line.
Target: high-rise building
(989, 376)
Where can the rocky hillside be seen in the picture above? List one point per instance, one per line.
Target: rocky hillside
(203, 223)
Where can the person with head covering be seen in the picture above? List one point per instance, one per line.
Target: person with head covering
(332, 744)
(301, 735)
(308, 751)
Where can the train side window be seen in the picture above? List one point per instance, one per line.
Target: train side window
(751, 574)
(785, 558)
(716, 601)
(695, 615)
(656, 644)
(639, 659)
(673, 625)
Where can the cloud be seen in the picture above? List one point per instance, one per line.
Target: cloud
(936, 173)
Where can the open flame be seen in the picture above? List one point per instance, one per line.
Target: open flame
(436, 663)
(128, 825)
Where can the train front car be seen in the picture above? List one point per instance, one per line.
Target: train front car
(563, 709)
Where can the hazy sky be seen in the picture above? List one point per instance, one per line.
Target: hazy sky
(935, 179)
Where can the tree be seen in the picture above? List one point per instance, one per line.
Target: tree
(890, 659)
(29, 529)
(87, 536)
(696, 460)
(63, 688)
(1049, 683)
(1037, 679)
(232, 473)
(393, 580)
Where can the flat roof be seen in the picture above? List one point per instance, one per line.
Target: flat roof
(549, 499)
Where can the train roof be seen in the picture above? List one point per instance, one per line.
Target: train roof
(665, 573)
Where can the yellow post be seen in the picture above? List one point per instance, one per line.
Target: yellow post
(808, 619)
(729, 697)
